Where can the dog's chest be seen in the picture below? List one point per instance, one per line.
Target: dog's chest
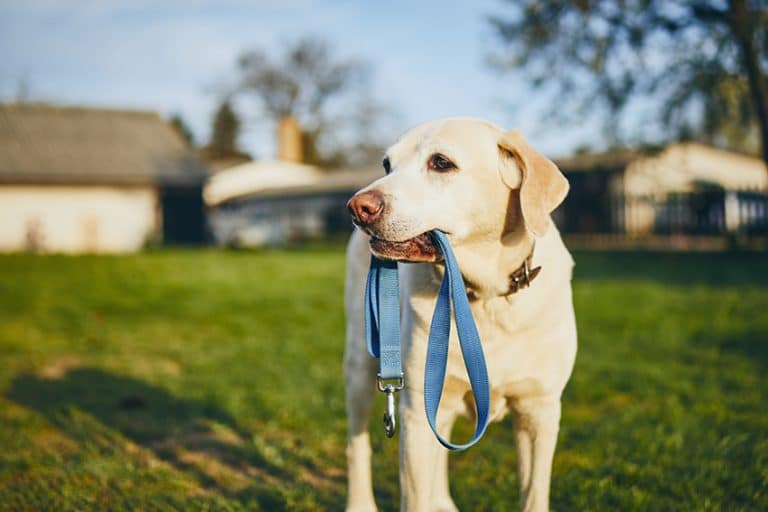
(502, 327)
(524, 352)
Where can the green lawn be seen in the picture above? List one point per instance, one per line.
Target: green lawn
(211, 380)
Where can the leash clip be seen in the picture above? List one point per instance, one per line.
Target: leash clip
(390, 416)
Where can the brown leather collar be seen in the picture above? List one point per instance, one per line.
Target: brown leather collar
(519, 279)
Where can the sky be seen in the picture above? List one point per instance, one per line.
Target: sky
(429, 58)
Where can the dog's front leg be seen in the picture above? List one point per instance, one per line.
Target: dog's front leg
(537, 422)
(441, 493)
(360, 377)
(419, 452)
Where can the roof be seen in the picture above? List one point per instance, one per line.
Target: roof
(684, 161)
(41, 143)
(347, 181)
(269, 178)
(217, 162)
(255, 176)
(685, 166)
(610, 161)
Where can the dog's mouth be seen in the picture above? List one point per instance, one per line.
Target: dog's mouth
(419, 249)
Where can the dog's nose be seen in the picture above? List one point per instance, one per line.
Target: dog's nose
(366, 207)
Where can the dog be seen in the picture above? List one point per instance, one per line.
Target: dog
(492, 194)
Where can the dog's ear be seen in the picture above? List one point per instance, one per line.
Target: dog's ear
(542, 186)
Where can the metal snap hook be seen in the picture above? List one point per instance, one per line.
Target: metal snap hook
(390, 416)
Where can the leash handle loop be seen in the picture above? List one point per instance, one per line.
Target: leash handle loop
(453, 290)
(382, 321)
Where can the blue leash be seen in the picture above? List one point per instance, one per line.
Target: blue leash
(382, 333)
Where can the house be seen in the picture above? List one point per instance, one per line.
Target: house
(76, 179)
(686, 188)
(281, 201)
(276, 202)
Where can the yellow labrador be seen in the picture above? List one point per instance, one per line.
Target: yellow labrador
(492, 193)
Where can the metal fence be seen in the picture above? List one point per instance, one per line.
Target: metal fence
(707, 212)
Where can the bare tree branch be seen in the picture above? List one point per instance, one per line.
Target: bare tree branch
(312, 84)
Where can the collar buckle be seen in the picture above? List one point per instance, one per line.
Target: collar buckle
(522, 277)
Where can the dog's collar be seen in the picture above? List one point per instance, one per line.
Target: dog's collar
(520, 278)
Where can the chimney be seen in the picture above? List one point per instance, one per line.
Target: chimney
(289, 139)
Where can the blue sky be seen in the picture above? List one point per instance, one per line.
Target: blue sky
(429, 58)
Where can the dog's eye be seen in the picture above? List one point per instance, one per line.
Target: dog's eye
(440, 163)
(386, 164)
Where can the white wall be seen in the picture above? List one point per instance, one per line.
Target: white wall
(73, 219)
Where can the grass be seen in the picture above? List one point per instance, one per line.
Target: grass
(210, 380)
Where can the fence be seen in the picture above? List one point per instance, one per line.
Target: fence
(707, 212)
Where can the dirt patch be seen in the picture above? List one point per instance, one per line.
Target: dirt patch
(168, 367)
(50, 440)
(57, 368)
(224, 475)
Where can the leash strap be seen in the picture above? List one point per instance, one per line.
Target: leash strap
(382, 317)
(382, 332)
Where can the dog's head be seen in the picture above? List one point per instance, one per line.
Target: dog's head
(465, 177)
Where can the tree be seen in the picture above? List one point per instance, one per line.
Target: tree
(704, 60)
(226, 128)
(325, 93)
(181, 127)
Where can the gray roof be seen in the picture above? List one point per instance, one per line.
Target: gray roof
(42, 143)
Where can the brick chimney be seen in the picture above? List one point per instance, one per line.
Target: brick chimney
(289, 139)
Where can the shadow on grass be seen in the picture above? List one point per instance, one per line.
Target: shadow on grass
(676, 268)
(93, 406)
(751, 345)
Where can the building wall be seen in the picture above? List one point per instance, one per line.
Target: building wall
(75, 219)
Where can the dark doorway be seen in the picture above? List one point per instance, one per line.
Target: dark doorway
(183, 215)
